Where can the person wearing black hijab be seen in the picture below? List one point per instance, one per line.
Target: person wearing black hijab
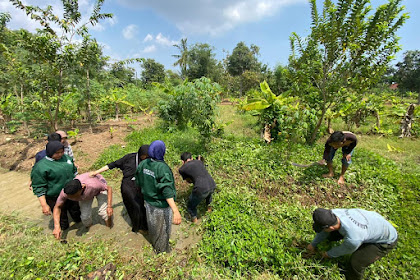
(49, 176)
(131, 194)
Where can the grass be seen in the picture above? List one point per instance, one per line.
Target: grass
(261, 218)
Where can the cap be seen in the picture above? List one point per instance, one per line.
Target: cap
(323, 218)
(62, 133)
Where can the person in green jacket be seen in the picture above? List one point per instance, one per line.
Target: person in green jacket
(157, 183)
(49, 176)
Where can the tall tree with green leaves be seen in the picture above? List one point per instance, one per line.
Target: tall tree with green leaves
(407, 74)
(182, 57)
(242, 59)
(347, 51)
(153, 71)
(201, 61)
(56, 51)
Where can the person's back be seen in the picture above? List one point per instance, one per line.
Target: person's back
(198, 174)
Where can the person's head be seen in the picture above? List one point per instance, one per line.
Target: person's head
(186, 157)
(74, 189)
(63, 135)
(143, 152)
(54, 137)
(337, 139)
(157, 150)
(324, 220)
(55, 150)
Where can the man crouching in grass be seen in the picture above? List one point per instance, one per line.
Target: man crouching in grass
(83, 189)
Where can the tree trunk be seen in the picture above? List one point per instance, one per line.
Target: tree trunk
(318, 125)
(407, 121)
(117, 111)
(378, 120)
(57, 106)
(22, 110)
(89, 111)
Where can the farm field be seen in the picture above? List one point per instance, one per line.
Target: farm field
(261, 219)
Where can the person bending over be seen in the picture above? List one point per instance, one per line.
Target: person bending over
(339, 139)
(366, 235)
(84, 189)
(194, 171)
(131, 194)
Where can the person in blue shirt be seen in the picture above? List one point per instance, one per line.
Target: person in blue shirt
(366, 235)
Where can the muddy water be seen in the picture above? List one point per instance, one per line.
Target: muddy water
(15, 197)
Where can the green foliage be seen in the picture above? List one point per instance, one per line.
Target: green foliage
(190, 104)
(285, 116)
(152, 72)
(347, 51)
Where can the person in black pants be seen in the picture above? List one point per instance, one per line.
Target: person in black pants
(194, 171)
(131, 194)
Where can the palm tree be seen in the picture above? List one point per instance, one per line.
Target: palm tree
(182, 57)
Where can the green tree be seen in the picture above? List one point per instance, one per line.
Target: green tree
(407, 74)
(243, 59)
(57, 52)
(347, 51)
(201, 61)
(182, 57)
(152, 72)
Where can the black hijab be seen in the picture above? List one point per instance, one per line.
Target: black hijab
(53, 147)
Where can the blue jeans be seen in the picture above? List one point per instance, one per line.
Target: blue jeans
(343, 160)
(195, 199)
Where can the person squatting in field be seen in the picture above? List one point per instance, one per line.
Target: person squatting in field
(339, 139)
(366, 235)
(49, 176)
(156, 180)
(194, 171)
(131, 194)
(84, 189)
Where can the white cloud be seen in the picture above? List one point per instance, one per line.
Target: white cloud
(160, 39)
(149, 49)
(212, 16)
(21, 20)
(130, 31)
(148, 38)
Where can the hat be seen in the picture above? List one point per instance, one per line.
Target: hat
(323, 218)
(62, 133)
(157, 150)
(53, 147)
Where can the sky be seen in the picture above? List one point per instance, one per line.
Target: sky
(150, 28)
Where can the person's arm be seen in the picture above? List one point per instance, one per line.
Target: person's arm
(177, 215)
(56, 215)
(109, 209)
(347, 247)
(100, 170)
(46, 210)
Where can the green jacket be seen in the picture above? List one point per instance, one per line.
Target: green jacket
(156, 181)
(50, 176)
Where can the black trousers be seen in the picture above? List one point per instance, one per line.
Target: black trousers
(134, 203)
(69, 205)
(365, 255)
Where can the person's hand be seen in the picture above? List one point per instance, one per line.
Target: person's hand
(348, 157)
(46, 210)
(57, 233)
(109, 211)
(177, 218)
(322, 162)
(325, 255)
(92, 174)
(310, 251)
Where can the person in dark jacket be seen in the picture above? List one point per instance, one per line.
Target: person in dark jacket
(131, 194)
(49, 176)
(194, 171)
(339, 139)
